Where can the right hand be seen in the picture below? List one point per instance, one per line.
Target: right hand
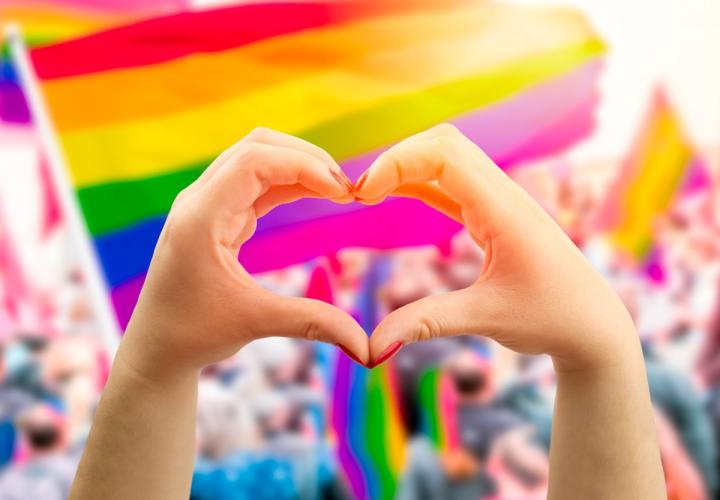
(536, 293)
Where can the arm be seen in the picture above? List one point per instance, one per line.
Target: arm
(198, 306)
(536, 294)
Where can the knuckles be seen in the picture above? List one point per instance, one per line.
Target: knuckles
(427, 328)
(446, 129)
(311, 330)
(258, 134)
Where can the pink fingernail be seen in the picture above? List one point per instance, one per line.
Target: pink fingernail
(388, 353)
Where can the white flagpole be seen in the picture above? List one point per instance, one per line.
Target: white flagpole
(80, 237)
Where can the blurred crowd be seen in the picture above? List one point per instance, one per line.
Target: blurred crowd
(263, 425)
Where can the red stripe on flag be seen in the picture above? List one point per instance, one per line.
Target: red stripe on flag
(164, 38)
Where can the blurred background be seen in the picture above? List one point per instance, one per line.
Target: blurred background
(608, 113)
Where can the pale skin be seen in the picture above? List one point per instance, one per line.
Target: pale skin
(536, 294)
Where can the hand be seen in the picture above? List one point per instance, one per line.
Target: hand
(536, 292)
(199, 305)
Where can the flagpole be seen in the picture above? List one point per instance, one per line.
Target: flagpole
(78, 232)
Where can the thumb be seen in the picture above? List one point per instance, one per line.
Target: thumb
(454, 313)
(312, 319)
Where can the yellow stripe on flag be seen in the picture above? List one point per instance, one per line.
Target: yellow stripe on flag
(466, 34)
(152, 147)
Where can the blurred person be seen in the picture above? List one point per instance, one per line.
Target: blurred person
(536, 294)
(22, 385)
(275, 386)
(409, 366)
(414, 275)
(708, 365)
(23, 364)
(531, 395)
(289, 369)
(253, 451)
(72, 369)
(418, 273)
(230, 462)
(464, 264)
(673, 393)
(47, 471)
(223, 423)
(13, 401)
(683, 480)
(293, 418)
(487, 433)
(73, 313)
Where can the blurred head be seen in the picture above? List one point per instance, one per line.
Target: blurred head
(283, 361)
(22, 368)
(471, 376)
(277, 414)
(224, 425)
(70, 358)
(43, 430)
(413, 277)
(464, 265)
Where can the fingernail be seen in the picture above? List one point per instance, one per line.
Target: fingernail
(361, 181)
(342, 180)
(347, 180)
(386, 354)
(350, 354)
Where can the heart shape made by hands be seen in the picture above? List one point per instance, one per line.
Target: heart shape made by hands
(425, 190)
(532, 280)
(532, 286)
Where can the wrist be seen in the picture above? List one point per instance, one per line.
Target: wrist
(606, 345)
(145, 356)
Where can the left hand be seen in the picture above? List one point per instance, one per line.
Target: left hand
(198, 304)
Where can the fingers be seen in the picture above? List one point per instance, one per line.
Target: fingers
(281, 195)
(441, 158)
(467, 311)
(254, 168)
(433, 196)
(262, 135)
(463, 173)
(311, 319)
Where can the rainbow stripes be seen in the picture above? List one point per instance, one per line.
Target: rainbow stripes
(439, 418)
(649, 180)
(142, 109)
(46, 22)
(371, 444)
(365, 408)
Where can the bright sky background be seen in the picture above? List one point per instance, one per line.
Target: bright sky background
(673, 42)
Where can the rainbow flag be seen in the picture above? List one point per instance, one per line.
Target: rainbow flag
(438, 409)
(653, 174)
(142, 109)
(365, 409)
(46, 22)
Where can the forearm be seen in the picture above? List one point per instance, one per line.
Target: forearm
(142, 443)
(604, 442)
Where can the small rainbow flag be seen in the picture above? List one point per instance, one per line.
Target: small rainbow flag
(366, 410)
(438, 409)
(650, 178)
(142, 109)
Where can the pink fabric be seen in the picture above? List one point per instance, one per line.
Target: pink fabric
(52, 212)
